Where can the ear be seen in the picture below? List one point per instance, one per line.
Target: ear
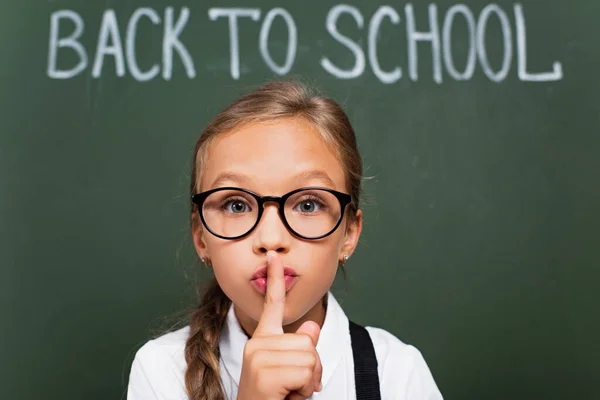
(353, 230)
(198, 236)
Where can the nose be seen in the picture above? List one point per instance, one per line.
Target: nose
(271, 233)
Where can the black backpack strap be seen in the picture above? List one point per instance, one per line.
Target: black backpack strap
(366, 378)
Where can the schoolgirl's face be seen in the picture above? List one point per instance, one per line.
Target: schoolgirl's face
(272, 159)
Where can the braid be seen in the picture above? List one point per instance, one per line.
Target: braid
(202, 378)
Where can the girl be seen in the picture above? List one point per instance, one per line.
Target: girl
(275, 186)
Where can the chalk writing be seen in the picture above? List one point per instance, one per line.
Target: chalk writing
(67, 29)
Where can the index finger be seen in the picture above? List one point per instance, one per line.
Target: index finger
(271, 319)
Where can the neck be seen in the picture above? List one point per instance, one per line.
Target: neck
(316, 314)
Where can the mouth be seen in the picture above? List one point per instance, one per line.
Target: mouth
(259, 279)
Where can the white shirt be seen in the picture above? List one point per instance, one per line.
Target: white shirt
(158, 370)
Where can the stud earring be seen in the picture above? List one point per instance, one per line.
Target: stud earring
(343, 262)
(206, 262)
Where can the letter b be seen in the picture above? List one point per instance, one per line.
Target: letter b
(69, 41)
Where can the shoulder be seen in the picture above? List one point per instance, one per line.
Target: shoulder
(158, 368)
(402, 369)
(390, 349)
(168, 347)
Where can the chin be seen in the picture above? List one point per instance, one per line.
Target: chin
(295, 311)
(289, 317)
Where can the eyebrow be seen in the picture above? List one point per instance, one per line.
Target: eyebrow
(315, 174)
(304, 176)
(229, 177)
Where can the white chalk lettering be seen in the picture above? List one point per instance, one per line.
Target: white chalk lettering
(132, 64)
(433, 36)
(109, 31)
(354, 43)
(556, 73)
(232, 14)
(447, 43)
(374, 24)
(292, 41)
(506, 39)
(359, 55)
(171, 40)
(69, 41)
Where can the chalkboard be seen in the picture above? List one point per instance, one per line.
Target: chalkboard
(479, 123)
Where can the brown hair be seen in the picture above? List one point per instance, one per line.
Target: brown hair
(272, 101)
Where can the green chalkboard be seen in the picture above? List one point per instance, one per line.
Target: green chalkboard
(480, 123)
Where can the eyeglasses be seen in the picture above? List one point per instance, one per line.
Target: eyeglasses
(309, 213)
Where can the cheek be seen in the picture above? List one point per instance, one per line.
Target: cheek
(230, 281)
(229, 258)
(333, 253)
(233, 265)
(320, 262)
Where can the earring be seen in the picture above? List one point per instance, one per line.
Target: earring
(343, 262)
(206, 262)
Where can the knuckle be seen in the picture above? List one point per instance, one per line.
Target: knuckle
(317, 357)
(249, 349)
(257, 360)
(306, 341)
(307, 374)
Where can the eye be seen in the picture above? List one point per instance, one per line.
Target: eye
(236, 206)
(309, 205)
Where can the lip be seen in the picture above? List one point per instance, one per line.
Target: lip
(259, 279)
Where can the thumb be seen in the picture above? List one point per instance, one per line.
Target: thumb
(311, 329)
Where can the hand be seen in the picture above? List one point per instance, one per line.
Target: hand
(278, 364)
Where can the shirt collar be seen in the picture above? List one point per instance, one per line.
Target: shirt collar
(334, 338)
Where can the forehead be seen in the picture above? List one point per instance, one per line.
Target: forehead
(273, 157)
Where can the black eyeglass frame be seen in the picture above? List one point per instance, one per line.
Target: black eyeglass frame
(343, 198)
